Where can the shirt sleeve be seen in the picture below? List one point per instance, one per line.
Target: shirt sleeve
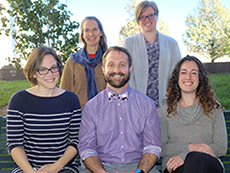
(127, 44)
(15, 127)
(176, 55)
(220, 142)
(87, 133)
(67, 76)
(75, 122)
(152, 132)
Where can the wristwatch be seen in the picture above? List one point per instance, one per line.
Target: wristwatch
(139, 171)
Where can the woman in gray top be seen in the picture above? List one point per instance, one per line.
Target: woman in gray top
(154, 55)
(193, 131)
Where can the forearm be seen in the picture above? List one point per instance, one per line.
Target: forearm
(20, 158)
(93, 163)
(147, 162)
(69, 154)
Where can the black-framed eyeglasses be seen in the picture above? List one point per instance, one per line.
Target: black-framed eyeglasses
(44, 71)
(150, 16)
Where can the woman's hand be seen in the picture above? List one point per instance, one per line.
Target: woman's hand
(173, 163)
(201, 147)
(50, 168)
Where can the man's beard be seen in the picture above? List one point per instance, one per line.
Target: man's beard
(122, 82)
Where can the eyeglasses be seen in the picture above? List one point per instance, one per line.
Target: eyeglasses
(44, 71)
(150, 16)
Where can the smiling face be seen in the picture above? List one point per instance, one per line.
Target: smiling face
(117, 71)
(47, 81)
(148, 25)
(188, 77)
(91, 33)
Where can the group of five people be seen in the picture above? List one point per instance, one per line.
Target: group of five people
(121, 91)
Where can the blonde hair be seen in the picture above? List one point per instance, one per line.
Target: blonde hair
(143, 6)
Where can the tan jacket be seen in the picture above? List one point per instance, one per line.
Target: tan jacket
(74, 79)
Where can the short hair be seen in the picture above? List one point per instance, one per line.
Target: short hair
(103, 40)
(204, 92)
(143, 6)
(34, 61)
(118, 49)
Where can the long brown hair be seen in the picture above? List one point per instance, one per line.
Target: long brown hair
(204, 92)
(103, 40)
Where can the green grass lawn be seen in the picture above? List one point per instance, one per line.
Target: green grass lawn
(220, 84)
(8, 88)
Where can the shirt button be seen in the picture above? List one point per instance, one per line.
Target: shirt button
(122, 146)
(122, 160)
(119, 104)
(121, 132)
(120, 118)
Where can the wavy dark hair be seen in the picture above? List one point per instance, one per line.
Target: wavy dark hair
(103, 40)
(204, 92)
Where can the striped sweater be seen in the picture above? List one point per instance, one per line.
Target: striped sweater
(43, 126)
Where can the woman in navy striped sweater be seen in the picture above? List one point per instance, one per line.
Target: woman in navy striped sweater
(43, 121)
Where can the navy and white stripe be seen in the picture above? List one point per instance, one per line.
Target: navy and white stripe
(43, 126)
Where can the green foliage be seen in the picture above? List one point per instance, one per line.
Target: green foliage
(132, 26)
(220, 84)
(228, 46)
(39, 22)
(208, 29)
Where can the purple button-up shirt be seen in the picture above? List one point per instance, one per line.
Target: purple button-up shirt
(119, 131)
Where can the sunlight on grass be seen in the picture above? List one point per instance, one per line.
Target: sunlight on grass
(8, 88)
(220, 84)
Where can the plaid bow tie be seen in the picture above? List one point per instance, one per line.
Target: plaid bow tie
(113, 96)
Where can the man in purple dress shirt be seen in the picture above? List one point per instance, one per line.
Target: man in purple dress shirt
(120, 128)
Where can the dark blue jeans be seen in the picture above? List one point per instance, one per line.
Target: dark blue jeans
(197, 162)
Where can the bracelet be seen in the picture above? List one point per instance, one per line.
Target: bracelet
(139, 171)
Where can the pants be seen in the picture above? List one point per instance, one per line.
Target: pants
(118, 167)
(197, 162)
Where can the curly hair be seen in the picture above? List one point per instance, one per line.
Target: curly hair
(204, 92)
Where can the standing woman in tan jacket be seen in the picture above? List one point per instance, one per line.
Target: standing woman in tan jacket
(82, 73)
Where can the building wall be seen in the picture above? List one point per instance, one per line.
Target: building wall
(217, 67)
(7, 73)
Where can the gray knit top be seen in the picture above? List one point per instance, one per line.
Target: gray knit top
(191, 125)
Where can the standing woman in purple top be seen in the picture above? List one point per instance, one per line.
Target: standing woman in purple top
(43, 121)
(154, 55)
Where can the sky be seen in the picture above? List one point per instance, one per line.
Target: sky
(113, 16)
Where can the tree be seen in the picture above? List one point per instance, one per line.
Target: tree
(208, 29)
(228, 46)
(39, 22)
(132, 27)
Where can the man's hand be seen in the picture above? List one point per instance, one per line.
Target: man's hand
(173, 163)
(93, 163)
